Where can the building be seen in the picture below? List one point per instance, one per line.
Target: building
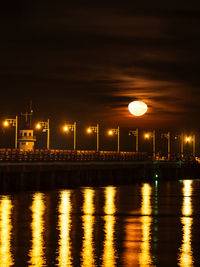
(26, 140)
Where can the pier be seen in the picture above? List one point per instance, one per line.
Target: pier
(21, 170)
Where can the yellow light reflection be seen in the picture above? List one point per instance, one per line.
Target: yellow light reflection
(109, 257)
(6, 206)
(187, 201)
(185, 256)
(146, 200)
(88, 228)
(37, 226)
(145, 257)
(64, 225)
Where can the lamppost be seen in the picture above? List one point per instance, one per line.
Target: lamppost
(71, 127)
(94, 129)
(116, 132)
(181, 138)
(135, 133)
(152, 135)
(167, 136)
(12, 122)
(45, 126)
(189, 139)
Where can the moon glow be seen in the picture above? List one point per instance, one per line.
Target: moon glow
(137, 108)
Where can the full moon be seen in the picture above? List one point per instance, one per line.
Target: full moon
(137, 108)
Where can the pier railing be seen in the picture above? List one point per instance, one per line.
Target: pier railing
(38, 155)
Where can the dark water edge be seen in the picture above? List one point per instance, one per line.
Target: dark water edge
(50, 180)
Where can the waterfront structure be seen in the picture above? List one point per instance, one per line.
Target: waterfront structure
(26, 140)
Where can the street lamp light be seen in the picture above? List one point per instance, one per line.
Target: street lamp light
(167, 136)
(152, 135)
(71, 127)
(94, 129)
(135, 133)
(189, 139)
(12, 122)
(116, 132)
(45, 126)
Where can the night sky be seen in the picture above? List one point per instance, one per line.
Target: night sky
(86, 60)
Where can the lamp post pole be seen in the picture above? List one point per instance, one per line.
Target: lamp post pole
(182, 141)
(135, 133)
(46, 128)
(167, 136)
(95, 129)
(74, 135)
(16, 131)
(153, 136)
(48, 134)
(168, 145)
(118, 139)
(116, 132)
(71, 127)
(193, 145)
(13, 122)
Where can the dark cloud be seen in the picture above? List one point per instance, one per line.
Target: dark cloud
(87, 60)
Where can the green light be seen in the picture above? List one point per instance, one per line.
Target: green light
(155, 212)
(156, 175)
(180, 181)
(156, 228)
(155, 239)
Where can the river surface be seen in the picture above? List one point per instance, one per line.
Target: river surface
(144, 224)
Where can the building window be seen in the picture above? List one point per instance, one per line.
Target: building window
(29, 134)
(25, 134)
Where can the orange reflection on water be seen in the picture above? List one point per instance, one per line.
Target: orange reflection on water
(109, 257)
(185, 256)
(64, 226)
(6, 206)
(145, 257)
(37, 226)
(87, 253)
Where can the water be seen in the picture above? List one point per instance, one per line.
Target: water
(145, 224)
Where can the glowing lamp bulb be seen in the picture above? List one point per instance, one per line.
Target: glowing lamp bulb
(146, 136)
(137, 108)
(38, 126)
(66, 128)
(110, 132)
(89, 130)
(187, 139)
(5, 123)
